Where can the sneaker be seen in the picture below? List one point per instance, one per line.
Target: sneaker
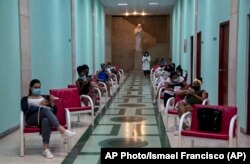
(47, 153)
(176, 133)
(68, 134)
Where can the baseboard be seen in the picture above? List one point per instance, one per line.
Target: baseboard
(242, 130)
(8, 131)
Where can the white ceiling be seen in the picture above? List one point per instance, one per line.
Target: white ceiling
(164, 7)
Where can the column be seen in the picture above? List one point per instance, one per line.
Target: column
(24, 17)
(232, 59)
(73, 41)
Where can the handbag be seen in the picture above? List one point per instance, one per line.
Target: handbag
(209, 119)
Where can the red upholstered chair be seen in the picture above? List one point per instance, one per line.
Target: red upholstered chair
(25, 130)
(72, 103)
(229, 129)
(171, 109)
(99, 94)
(72, 86)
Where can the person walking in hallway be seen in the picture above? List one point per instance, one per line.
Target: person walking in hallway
(146, 63)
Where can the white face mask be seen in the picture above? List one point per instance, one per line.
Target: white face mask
(175, 80)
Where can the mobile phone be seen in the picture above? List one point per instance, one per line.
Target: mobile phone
(47, 97)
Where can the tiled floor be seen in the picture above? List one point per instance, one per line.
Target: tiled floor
(130, 120)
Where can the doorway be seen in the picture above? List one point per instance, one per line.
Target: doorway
(248, 90)
(191, 58)
(223, 63)
(198, 57)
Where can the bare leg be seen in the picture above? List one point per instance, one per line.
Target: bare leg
(108, 88)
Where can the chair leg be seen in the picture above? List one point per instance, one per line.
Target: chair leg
(179, 141)
(192, 143)
(237, 141)
(230, 142)
(22, 145)
(68, 145)
(165, 118)
(78, 117)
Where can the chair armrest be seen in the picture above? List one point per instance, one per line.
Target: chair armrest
(159, 85)
(158, 98)
(121, 71)
(21, 121)
(104, 85)
(89, 99)
(98, 91)
(205, 102)
(106, 90)
(183, 117)
(234, 121)
(68, 120)
(170, 104)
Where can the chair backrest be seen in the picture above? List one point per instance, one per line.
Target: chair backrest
(227, 113)
(70, 96)
(60, 114)
(72, 86)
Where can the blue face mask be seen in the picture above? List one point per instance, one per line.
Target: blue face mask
(36, 91)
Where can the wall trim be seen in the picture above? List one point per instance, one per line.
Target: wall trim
(10, 130)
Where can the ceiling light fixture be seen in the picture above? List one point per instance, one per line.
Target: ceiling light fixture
(143, 13)
(153, 3)
(122, 4)
(135, 13)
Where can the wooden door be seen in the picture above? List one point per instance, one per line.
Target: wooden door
(248, 90)
(191, 58)
(198, 57)
(223, 63)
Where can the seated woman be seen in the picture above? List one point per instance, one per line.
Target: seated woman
(113, 71)
(194, 95)
(179, 71)
(39, 110)
(103, 76)
(175, 86)
(83, 83)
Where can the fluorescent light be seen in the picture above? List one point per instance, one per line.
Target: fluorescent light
(122, 4)
(153, 3)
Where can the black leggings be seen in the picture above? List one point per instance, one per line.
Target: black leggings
(146, 72)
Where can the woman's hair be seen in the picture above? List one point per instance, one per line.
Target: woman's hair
(32, 83)
(146, 53)
(179, 69)
(172, 74)
(199, 78)
(85, 66)
(79, 69)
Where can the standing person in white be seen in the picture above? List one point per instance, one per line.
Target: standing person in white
(146, 63)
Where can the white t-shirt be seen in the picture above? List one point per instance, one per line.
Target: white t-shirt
(180, 80)
(35, 102)
(176, 88)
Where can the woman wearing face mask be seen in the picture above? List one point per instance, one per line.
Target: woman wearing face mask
(39, 110)
(175, 85)
(194, 95)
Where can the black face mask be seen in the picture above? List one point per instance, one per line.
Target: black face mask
(196, 88)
